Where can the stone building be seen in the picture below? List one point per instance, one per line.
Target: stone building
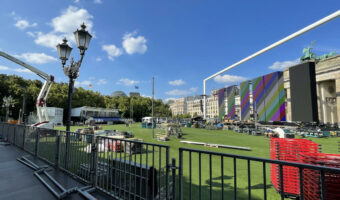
(178, 107)
(194, 105)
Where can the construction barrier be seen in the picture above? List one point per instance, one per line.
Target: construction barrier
(312, 178)
(288, 150)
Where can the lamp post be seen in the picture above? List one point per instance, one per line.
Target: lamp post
(7, 102)
(83, 38)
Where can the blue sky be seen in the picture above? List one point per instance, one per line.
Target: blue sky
(178, 42)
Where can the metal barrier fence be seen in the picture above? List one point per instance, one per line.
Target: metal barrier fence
(131, 169)
(124, 169)
(219, 177)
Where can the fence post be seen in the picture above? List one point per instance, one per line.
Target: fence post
(180, 172)
(36, 149)
(14, 135)
(23, 138)
(173, 167)
(7, 139)
(67, 151)
(167, 173)
(57, 155)
(94, 160)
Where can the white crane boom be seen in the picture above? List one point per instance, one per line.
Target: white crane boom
(41, 100)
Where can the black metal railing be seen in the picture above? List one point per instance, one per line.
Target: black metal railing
(122, 168)
(132, 169)
(230, 176)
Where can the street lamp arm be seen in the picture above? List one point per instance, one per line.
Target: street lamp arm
(72, 71)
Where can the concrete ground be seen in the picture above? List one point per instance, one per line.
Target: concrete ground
(18, 182)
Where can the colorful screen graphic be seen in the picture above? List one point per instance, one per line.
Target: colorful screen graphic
(245, 100)
(221, 105)
(231, 92)
(269, 98)
(258, 97)
(275, 98)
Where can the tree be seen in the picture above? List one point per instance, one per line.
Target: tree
(17, 86)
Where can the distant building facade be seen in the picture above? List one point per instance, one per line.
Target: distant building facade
(193, 105)
(178, 107)
(134, 94)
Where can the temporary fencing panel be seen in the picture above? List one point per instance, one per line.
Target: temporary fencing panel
(288, 150)
(313, 178)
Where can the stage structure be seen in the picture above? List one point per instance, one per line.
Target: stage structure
(231, 93)
(221, 103)
(245, 100)
(276, 44)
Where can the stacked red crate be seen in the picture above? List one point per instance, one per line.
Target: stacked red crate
(312, 180)
(288, 150)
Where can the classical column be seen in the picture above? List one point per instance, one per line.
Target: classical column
(323, 103)
(337, 93)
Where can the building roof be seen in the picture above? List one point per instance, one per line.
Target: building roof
(118, 93)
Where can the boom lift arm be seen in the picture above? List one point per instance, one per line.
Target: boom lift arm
(41, 100)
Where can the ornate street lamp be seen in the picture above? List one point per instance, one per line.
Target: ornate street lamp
(7, 102)
(83, 38)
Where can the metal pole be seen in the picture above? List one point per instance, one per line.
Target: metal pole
(68, 122)
(204, 100)
(69, 104)
(153, 94)
(23, 108)
(7, 112)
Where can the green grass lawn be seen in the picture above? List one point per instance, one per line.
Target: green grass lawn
(259, 148)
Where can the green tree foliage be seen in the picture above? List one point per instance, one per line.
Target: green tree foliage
(17, 87)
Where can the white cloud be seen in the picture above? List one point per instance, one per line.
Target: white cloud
(48, 40)
(134, 44)
(21, 23)
(4, 68)
(193, 89)
(37, 58)
(76, 1)
(229, 78)
(97, 1)
(63, 26)
(71, 19)
(127, 82)
(176, 82)
(82, 83)
(177, 92)
(102, 81)
(284, 64)
(31, 34)
(19, 70)
(98, 59)
(112, 51)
